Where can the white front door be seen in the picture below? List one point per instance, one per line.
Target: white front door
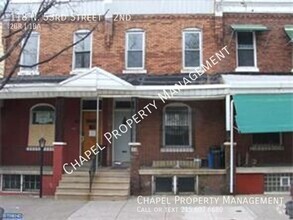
(121, 147)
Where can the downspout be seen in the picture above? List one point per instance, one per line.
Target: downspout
(97, 128)
(231, 147)
(97, 121)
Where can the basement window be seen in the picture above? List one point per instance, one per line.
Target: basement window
(164, 184)
(11, 182)
(285, 181)
(31, 182)
(186, 184)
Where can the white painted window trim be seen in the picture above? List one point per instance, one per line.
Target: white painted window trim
(247, 68)
(21, 190)
(135, 69)
(188, 69)
(282, 179)
(22, 71)
(187, 148)
(81, 70)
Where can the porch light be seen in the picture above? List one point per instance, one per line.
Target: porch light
(42, 143)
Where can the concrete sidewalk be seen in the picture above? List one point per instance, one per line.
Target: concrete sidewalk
(34, 208)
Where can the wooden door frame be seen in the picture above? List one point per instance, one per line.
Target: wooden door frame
(81, 123)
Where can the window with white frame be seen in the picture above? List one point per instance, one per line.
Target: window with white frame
(30, 54)
(31, 182)
(135, 44)
(177, 126)
(246, 49)
(11, 182)
(191, 49)
(19, 182)
(82, 50)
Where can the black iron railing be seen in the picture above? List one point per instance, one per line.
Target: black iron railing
(92, 171)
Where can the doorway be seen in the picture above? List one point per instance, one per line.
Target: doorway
(89, 130)
(121, 144)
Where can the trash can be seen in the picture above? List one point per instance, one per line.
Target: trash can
(210, 160)
(289, 209)
(216, 157)
(1, 213)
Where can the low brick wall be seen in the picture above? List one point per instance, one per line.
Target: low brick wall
(145, 185)
(212, 185)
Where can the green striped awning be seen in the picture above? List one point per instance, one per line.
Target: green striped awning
(248, 27)
(289, 31)
(263, 113)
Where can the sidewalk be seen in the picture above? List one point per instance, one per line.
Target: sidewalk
(34, 208)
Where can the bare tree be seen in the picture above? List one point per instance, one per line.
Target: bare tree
(16, 40)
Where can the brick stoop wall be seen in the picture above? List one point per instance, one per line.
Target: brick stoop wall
(212, 185)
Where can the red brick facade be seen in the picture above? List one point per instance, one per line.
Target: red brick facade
(164, 42)
(163, 55)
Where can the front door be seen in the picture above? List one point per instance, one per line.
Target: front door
(121, 144)
(89, 130)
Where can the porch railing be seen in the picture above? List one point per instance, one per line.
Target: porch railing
(92, 171)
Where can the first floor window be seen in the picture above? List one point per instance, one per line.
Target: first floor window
(82, 50)
(246, 49)
(177, 126)
(43, 114)
(42, 124)
(267, 138)
(135, 49)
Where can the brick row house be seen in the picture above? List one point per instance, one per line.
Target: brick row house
(228, 130)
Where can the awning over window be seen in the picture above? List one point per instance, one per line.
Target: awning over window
(289, 31)
(248, 27)
(264, 112)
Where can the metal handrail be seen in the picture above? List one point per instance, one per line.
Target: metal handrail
(92, 172)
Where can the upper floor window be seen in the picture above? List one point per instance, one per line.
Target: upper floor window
(177, 126)
(191, 48)
(30, 54)
(82, 50)
(135, 49)
(246, 49)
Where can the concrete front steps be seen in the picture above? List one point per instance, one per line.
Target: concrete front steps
(108, 184)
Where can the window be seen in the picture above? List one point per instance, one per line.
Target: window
(30, 54)
(42, 124)
(11, 183)
(277, 182)
(267, 138)
(186, 184)
(135, 49)
(43, 115)
(82, 50)
(31, 182)
(246, 49)
(18, 182)
(177, 126)
(191, 48)
(164, 184)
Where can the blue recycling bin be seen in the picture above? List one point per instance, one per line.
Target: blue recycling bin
(210, 160)
(216, 157)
